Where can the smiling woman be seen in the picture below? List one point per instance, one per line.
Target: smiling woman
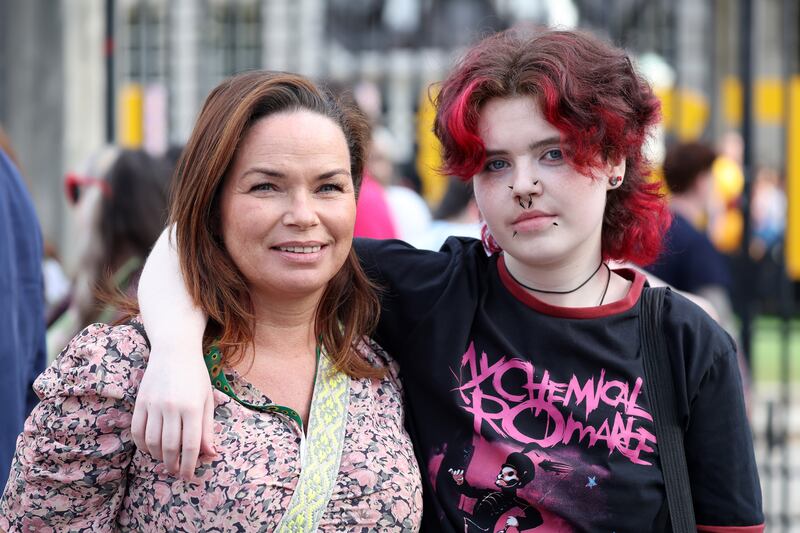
(264, 205)
(288, 205)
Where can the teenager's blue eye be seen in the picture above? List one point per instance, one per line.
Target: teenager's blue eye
(495, 165)
(554, 154)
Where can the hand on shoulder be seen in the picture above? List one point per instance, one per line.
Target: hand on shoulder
(174, 413)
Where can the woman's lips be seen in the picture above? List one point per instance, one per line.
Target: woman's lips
(301, 253)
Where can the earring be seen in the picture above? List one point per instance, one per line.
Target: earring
(615, 181)
(490, 245)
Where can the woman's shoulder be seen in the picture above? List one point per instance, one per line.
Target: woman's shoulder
(375, 355)
(110, 359)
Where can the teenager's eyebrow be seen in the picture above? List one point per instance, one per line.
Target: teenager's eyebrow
(544, 142)
(531, 147)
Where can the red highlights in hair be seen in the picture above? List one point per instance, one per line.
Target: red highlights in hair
(589, 91)
(633, 227)
(462, 122)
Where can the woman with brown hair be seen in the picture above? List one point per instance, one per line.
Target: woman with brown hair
(264, 206)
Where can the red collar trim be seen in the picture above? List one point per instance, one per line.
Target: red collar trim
(608, 309)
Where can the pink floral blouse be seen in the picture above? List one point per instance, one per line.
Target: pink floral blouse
(77, 469)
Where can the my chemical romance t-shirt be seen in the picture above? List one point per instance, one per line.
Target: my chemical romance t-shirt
(531, 417)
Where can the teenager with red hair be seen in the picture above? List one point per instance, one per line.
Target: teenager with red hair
(530, 352)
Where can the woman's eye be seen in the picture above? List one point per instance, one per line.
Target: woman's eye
(554, 154)
(331, 187)
(495, 165)
(262, 187)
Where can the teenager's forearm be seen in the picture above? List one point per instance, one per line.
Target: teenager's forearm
(170, 316)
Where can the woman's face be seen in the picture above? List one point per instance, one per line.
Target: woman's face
(540, 209)
(288, 204)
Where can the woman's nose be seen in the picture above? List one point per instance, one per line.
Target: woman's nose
(300, 212)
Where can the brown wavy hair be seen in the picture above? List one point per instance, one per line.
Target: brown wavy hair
(349, 307)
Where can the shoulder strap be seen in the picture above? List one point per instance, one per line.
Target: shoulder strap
(661, 394)
(323, 444)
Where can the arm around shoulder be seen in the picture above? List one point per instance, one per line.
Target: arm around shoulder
(173, 417)
(170, 316)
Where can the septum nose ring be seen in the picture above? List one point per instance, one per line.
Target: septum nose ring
(519, 197)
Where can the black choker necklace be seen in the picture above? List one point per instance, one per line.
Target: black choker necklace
(560, 292)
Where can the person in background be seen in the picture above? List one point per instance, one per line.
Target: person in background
(373, 214)
(725, 219)
(22, 320)
(121, 207)
(410, 214)
(768, 212)
(373, 217)
(56, 282)
(689, 261)
(456, 215)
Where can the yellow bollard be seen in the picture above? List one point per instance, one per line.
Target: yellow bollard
(130, 132)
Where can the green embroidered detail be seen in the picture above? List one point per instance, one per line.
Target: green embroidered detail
(220, 382)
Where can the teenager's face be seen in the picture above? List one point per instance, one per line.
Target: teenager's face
(288, 204)
(540, 209)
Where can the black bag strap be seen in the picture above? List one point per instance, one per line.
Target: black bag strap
(661, 394)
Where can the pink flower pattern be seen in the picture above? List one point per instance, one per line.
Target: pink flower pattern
(76, 467)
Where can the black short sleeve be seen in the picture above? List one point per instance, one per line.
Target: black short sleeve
(414, 282)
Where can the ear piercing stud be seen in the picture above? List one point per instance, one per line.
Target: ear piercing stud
(615, 180)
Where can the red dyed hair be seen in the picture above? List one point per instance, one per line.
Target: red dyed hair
(590, 92)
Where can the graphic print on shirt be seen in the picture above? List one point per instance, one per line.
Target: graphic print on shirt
(515, 473)
(537, 445)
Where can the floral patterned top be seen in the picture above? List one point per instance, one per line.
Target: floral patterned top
(76, 467)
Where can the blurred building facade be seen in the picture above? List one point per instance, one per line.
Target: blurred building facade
(58, 65)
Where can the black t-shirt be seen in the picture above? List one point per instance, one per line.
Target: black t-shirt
(527, 415)
(689, 262)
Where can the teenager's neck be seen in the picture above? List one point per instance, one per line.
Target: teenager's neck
(561, 277)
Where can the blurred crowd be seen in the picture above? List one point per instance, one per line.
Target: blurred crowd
(118, 201)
